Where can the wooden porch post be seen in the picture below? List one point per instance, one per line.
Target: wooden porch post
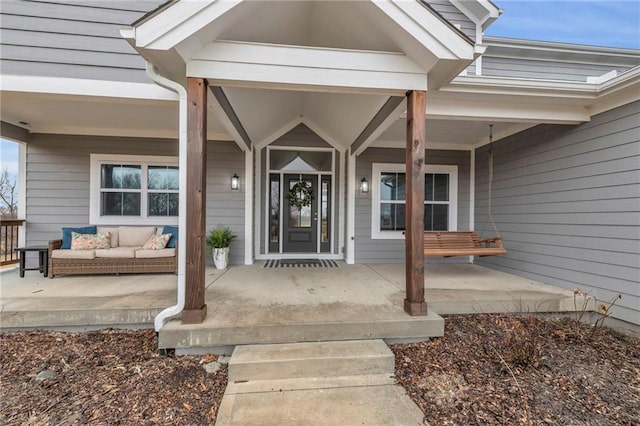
(195, 309)
(414, 303)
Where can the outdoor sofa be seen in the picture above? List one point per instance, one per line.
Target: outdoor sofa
(125, 253)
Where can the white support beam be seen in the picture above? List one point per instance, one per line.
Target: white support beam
(248, 207)
(232, 63)
(350, 256)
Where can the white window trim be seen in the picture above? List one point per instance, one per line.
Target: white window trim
(94, 184)
(378, 168)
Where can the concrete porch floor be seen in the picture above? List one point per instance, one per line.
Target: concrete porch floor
(252, 304)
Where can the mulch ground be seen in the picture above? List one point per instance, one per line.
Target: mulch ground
(488, 369)
(106, 377)
(507, 370)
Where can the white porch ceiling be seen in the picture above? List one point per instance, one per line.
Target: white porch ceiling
(275, 113)
(100, 116)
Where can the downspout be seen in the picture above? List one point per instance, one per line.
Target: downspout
(182, 188)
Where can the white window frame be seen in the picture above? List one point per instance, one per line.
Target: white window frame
(378, 168)
(97, 160)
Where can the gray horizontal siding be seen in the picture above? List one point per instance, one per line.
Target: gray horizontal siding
(547, 70)
(454, 16)
(224, 206)
(368, 250)
(75, 39)
(566, 200)
(58, 169)
(58, 173)
(301, 136)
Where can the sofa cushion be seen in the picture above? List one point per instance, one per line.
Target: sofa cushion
(134, 236)
(173, 230)
(117, 253)
(66, 234)
(113, 232)
(157, 242)
(73, 254)
(147, 254)
(100, 240)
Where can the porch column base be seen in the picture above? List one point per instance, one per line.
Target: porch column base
(415, 309)
(194, 316)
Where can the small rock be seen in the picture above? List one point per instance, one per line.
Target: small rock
(224, 359)
(212, 367)
(44, 375)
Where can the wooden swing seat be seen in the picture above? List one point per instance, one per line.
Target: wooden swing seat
(460, 243)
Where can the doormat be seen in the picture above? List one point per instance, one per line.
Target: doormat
(300, 263)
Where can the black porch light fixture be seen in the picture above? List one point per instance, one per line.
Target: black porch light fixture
(364, 186)
(235, 182)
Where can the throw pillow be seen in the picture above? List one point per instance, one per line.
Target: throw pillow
(66, 234)
(101, 240)
(173, 230)
(157, 242)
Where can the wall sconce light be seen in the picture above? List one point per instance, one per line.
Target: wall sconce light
(364, 186)
(235, 182)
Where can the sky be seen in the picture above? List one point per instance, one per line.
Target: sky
(9, 155)
(613, 23)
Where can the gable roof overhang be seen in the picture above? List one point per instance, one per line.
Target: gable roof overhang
(482, 12)
(429, 51)
(292, 67)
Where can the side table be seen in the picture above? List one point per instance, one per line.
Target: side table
(43, 259)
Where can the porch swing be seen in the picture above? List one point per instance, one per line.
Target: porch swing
(467, 243)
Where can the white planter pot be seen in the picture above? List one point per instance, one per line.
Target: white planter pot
(221, 257)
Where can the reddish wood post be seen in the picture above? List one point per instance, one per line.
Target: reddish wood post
(414, 303)
(195, 309)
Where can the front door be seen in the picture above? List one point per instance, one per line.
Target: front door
(300, 230)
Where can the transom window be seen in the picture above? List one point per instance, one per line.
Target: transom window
(389, 199)
(133, 189)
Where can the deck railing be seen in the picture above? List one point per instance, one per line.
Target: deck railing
(9, 240)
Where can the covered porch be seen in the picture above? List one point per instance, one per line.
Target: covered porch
(254, 304)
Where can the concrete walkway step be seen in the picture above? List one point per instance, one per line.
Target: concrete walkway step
(315, 383)
(346, 400)
(310, 359)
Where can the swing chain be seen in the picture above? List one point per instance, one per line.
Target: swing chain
(490, 201)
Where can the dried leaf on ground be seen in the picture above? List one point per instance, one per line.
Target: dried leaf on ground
(510, 369)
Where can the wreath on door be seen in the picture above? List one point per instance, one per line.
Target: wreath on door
(300, 195)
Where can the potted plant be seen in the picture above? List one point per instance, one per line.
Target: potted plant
(218, 242)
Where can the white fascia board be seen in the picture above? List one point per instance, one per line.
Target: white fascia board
(306, 79)
(307, 56)
(515, 109)
(618, 91)
(178, 22)
(427, 28)
(82, 87)
(543, 50)
(622, 81)
(307, 68)
(521, 87)
(480, 12)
